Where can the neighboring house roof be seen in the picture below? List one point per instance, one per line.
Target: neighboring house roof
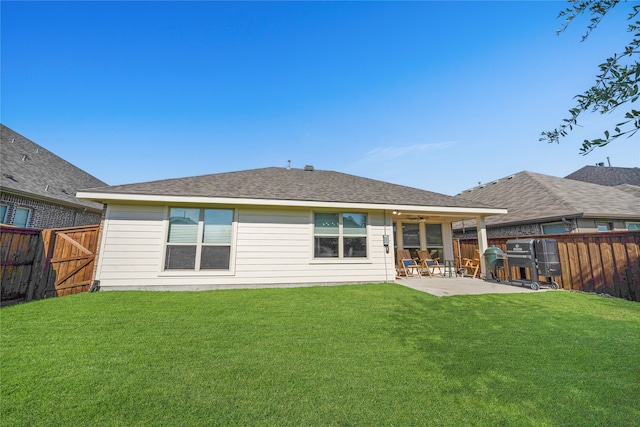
(280, 185)
(30, 170)
(533, 197)
(607, 175)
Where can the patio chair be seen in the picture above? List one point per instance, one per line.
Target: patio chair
(471, 267)
(407, 266)
(429, 265)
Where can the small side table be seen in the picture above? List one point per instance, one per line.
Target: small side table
(450, 265)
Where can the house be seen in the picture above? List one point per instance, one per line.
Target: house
(38, 189)
(625, 179)
(607, 175)
(543, 204)
(268, 227)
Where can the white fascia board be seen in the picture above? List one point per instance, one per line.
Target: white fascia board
(142, 198)
(51, 200)
(598, 215)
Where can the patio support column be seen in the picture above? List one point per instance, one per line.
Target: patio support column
(447, 240)
(398, 236)
(482, 242)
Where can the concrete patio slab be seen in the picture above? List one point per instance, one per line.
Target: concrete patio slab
(449, 286)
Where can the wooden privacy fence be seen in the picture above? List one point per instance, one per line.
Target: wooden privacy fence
(605, 263)
(21, 256)
(38, 264)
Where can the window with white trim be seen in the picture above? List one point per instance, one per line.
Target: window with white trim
(411, 237)
(633, 226)
(604, 226)
(21, 217)
(199, 239)
(4, 209)
(435, 244)
(340, 235)
(554, 228)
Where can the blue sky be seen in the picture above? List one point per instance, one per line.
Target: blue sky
(434, 95)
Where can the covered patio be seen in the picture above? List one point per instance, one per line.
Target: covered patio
(431, 230)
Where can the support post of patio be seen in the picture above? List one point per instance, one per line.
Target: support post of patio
(481, 227)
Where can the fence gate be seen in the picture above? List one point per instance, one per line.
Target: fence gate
(71, 254)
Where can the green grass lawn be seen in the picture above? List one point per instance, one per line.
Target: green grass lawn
(365, 355)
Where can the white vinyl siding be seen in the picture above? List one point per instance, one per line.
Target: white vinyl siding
(271, 247)
(132, 242)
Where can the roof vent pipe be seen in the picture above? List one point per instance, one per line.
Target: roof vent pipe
(288, 165)
(309, 168)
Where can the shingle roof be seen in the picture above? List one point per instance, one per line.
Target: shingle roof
(532, 196)
(31, 170)
(607, 175)
(628, 188)
(292, 185)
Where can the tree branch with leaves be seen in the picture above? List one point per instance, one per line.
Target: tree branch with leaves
(616, 84)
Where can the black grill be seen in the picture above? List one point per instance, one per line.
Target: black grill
(539, 256)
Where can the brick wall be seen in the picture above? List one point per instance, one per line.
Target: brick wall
(48, 215)
(512, 231)
(583, 225)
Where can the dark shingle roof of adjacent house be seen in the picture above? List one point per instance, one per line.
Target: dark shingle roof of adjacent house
(530, 197)
(607, 175)
(292, 184)
(32, 171)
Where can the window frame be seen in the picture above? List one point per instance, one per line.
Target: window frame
(15, 211)
(608, 225)
(199, 244)
(431, 246)
(628, 223)
(341, 236)
(423, 236)
(414, 246)
(554, 224)
(3, 218)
